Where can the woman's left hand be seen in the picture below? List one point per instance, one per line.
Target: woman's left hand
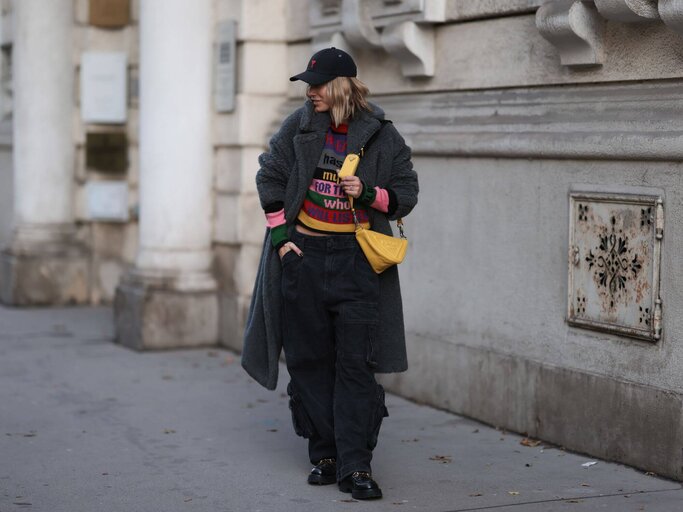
(352, 186)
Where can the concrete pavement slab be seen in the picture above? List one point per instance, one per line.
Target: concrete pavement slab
(88, 425)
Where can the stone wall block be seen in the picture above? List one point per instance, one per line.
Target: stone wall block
(80, 203)
(78, 126)
(82, 11)
(229, 10)
(575, 28)
(234, 311)
(151, 318)
(46, 279)
(135, 11)
(80, 172)
(106, 276)
(130, 242)
(226, 219)
(226, 267)
(97, 39)
(297, 59)
(298, 24)
(133, 127)
(251, 122)
(107, 240)
(252, 222)
(262, 68)
(133, 174)
(247, 267)
(227, 164)
(236, 169)
(249, 167)
(263, 20)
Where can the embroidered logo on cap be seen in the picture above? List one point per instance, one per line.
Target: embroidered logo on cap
(313, 61)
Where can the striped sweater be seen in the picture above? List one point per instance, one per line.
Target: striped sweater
(326, 207)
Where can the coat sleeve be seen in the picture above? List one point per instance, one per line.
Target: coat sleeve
(276, 165)
(403, 180)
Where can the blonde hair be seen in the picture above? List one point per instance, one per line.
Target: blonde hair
(347, 96)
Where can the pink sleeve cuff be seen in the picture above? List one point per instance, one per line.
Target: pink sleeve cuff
(381, 201)
(276, 218)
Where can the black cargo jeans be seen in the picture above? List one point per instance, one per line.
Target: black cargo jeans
(330, 319)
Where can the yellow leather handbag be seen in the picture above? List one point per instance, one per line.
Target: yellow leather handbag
(382, 251)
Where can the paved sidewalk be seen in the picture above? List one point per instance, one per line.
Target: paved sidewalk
(87, 425)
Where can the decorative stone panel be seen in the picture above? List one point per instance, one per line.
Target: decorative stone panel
(614, 263)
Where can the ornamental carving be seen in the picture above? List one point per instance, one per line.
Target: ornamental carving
(403, 28)
(576, 27)
(615, 245)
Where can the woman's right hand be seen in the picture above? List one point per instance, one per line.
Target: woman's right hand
(289, 246)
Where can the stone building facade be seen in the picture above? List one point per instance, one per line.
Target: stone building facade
(542, 289)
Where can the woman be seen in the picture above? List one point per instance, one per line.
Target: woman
(315, 293)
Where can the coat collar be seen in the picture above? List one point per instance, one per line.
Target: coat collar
(361, 127)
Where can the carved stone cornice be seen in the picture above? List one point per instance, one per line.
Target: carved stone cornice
(403, 28)
(629, 11)
(671, 12)
(575, 28)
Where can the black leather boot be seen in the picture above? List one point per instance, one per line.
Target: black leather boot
(361, 486)
(323, 473)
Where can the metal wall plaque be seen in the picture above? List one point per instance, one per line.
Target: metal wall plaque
(224, 87)
(614, 263)
(109, 13)
(106, 152)
(104, 87)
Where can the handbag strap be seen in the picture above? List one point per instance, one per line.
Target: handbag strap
(399, 221)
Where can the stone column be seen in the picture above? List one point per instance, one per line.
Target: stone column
(43, 263)
(170, 299)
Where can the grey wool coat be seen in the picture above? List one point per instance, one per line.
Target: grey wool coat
(285, 175)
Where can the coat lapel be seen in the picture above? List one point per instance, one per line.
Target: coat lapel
(308, 145)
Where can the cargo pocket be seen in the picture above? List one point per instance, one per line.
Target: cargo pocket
(303, 426)
(380, 412)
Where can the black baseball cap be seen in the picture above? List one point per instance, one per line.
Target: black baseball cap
(327, 65)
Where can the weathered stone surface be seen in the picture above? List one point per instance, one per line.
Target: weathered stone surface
(606, 121)
(575, 28)
(251, 121)
(226, 219)
(252, 222)
(235, 168)
(255, 78)
(607, 417)
(457, 10)
(45, 278)
(155, 318)
(226, 257)
(234, 310)
(6, 196)
(247, 266)
(106, 276)
(510, 52)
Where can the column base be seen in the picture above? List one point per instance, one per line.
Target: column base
(48, 276)
(150, 317)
